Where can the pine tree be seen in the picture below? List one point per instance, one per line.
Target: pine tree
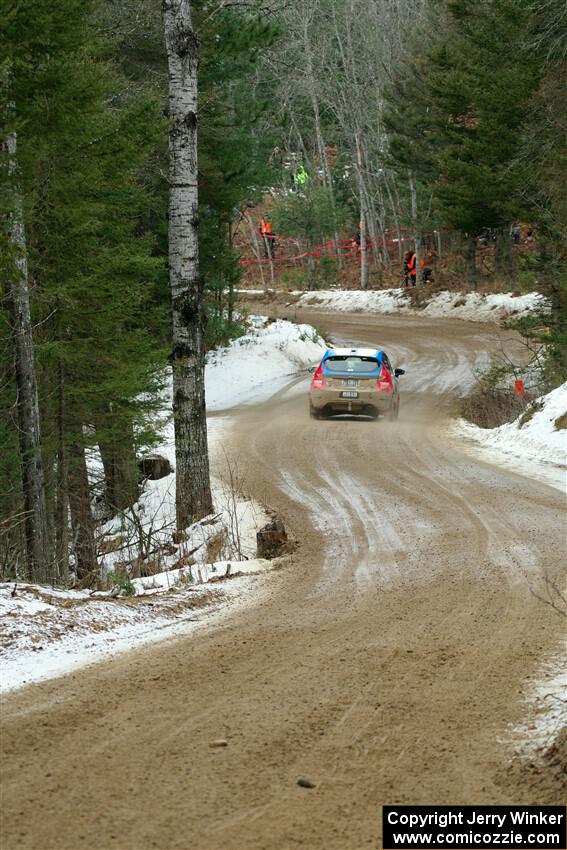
(542, 165)
(457, 112)
(17, 298)
(83, 146)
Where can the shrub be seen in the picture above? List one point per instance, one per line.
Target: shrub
(124, 582)
(489, 407)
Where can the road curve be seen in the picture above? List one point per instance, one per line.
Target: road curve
(386, 662)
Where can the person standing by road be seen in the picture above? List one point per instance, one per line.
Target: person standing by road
(301, 177)
(412, 268)
(407, 260)
(268, 238)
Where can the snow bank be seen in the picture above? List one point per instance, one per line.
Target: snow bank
(533, 438)
(200, 573)
(257, 365)
(46, 633)
(471, 306)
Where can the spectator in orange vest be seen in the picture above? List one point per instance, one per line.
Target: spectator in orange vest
(268, 238)
(412, 267)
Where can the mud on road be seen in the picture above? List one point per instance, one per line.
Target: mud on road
(386, 663)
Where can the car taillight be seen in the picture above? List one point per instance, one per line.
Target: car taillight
(318, 381)
(384, 382)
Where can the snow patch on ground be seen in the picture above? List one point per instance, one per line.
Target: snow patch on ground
(471, 306)
(80, 631)
(532, 441)
(48, 631)
(546, 708)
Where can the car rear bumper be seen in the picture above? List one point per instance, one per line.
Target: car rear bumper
(333, 400)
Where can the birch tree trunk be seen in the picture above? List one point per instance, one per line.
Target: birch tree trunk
(394, 209)
(193, 488)
(323, 159)
(256, 245)
(416, 228)
(397, 207)
(38, 550)
(439, 243)
(362, 203)
(311, 269)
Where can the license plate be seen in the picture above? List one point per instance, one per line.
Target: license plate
(348, 394)
(349, 382)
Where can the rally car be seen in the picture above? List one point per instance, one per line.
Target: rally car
(358, 381)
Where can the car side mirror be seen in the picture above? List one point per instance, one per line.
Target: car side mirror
(311, 370)
(398, 372)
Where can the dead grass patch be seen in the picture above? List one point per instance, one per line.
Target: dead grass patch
(112, 544)
(488, 407)
(418, 296)
(215, 546)
(561, 422)
(528, 414)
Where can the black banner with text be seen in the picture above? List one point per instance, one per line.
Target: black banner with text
(481, 827)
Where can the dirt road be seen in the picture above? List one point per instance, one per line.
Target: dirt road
(385, 663)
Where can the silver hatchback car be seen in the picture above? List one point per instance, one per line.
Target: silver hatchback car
(357, 381)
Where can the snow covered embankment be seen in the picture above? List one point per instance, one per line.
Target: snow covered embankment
(183, 583)
(471, 306)
(260, 363)
(537, 439)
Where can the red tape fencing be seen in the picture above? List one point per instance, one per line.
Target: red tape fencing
(294, 251)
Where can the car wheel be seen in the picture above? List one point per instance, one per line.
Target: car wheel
(314, 414)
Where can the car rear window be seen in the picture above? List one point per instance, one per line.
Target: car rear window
(351, 363)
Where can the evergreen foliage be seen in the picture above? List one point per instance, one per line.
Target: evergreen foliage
(82, 142)
(457, 113)
(234, 145)
(83, 85)
(478, 113)
(233, 155)
(308, 214)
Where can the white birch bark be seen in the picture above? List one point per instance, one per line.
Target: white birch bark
(416, 230)
(323, 159)
(193, 489)
(396, 206)
(38, 548)
(363, 217)
(256, 246)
